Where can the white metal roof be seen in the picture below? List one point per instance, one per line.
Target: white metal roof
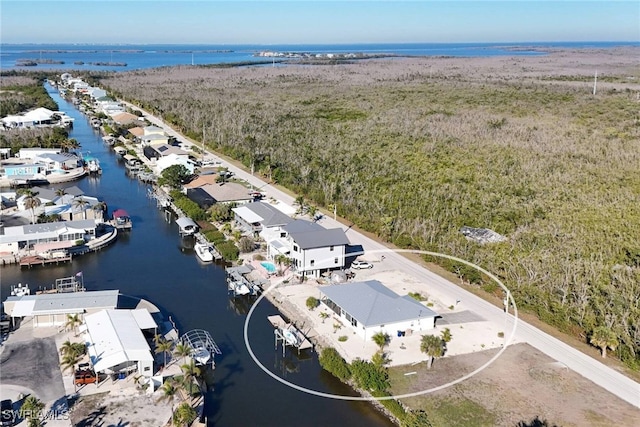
(71, 302)
(144, 319)
(247, 214)
(114, 337)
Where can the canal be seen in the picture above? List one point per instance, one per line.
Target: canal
(153, 262)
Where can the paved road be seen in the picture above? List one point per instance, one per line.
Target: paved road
(590, 368)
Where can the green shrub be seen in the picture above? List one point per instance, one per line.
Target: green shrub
(392, 405)
(417, 296)
(228, 250)
(312, 302)
(214, 236)
(331, 361)
(369, 376)
(343, 338)
(258, 257)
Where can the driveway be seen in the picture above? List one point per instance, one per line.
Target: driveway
(33, 365)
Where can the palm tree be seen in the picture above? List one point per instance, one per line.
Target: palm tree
(381, 339)
(73, 321)
(190, 373)
(69, 361)
(604, 338)
(281, 259)
(163, 346)
(80, 204)
(312, 210)
(185, 415)
(300, 202)
(433, 346)
(66, 347)
(61, 192)
(99, 207)
(169, 391)
(182, 350)
(32, 202)
(31, 409)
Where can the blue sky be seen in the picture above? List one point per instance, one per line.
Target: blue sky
(292, 22)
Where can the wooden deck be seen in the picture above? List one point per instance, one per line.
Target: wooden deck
(31, 260)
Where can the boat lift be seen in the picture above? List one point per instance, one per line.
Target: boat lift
(203, 347)
(288, 334)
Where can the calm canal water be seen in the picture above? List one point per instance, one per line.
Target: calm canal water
(153, 263)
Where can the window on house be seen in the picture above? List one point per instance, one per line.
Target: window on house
(146, 368)
(331, 248)
(335, 260)
(312, 262)
(295, 248)
(283, 234)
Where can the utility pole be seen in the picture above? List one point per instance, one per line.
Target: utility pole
(595, 82)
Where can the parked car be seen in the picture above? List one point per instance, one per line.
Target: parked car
(361, 265)
(85, 376)
(7, 414)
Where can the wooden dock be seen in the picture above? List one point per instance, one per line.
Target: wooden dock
(31, 260)
(288, 334)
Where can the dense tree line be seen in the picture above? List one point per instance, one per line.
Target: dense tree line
(414, 155)
(20, 93)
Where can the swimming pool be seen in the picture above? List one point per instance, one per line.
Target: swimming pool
(269, 266)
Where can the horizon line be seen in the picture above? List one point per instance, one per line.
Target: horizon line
(312, 43)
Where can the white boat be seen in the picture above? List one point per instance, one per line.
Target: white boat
(93, 166)
(200, 353)
(20, 290)
(204, 251)
(290, 337)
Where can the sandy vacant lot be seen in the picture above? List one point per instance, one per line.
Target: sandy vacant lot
(522, 385)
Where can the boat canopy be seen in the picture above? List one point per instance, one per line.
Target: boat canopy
(120, 213)
(186, 223)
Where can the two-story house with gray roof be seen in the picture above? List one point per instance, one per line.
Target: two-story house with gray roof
(260, 218)
(312, 249)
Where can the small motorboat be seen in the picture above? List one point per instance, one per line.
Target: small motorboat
(93, 166)
(204, 251)
(20, 290)
(200, 353)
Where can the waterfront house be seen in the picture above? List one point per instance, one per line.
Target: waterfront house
(116, 342)
(260, 218)
(175, 159)
(34, 152)
(136, 132)
(63, 233)
(153, 130)
(108, 106)
(206, 193)
(48, 310)
(58, 161)
(312, 249)
(370, 307)
(96, 92)
(16, 122)
(153, 139)
(18, 170)
(156, 151)
(125, 118)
